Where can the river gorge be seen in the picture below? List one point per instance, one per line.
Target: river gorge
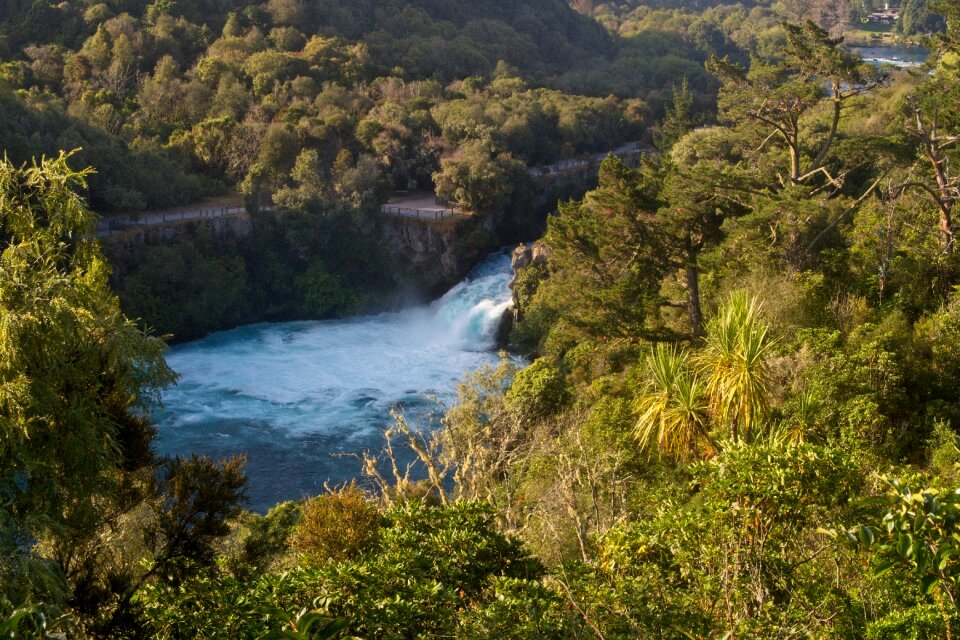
(291, 396)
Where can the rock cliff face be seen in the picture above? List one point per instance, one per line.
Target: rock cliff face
(433, 256)
(523, 257)
(123, 248)
(436, 255)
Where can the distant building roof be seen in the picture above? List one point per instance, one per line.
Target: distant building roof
(887, 14)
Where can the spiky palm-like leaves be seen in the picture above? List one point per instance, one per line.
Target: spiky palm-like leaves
(735, 360)
(725, 384)
(673, 410)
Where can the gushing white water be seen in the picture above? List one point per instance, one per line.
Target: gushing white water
(903, 57)
(289, 395)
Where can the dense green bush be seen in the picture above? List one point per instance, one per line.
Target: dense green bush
(337, 526)
(428, 564)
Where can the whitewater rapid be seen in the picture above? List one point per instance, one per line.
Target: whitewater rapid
(899, 56)
(291, 396)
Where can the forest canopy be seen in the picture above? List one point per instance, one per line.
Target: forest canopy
(206, 95)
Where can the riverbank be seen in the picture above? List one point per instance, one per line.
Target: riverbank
(877, 35)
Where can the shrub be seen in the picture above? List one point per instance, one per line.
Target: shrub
(337, 526)
(538, 391)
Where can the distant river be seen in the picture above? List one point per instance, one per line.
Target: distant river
(903, 57)
(289, 395)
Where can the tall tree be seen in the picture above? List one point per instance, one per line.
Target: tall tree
(691, 222)
(74, 372)
(679, 119)
(932, 119)
(607, 257)
(780, 95)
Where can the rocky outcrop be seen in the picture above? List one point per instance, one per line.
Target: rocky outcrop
(433, 256)
(523, 258)
(525, 255)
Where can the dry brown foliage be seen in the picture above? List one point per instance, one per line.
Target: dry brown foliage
(337, 526)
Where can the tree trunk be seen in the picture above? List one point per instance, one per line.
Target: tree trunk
(937, 162)
(944, 195)
(793, 142)
(946, 230)
(693, 299)
(834, 125)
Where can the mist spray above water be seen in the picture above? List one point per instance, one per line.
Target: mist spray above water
(289, 395)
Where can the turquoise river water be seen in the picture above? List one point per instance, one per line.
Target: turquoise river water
(897, 56)
(290, 396)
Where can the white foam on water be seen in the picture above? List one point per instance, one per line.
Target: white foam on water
(290, 394)
(903, 57)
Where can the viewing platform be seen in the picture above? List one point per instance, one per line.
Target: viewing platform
(419, 204)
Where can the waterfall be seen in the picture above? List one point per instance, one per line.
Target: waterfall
(288, 395)
(472, 310)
